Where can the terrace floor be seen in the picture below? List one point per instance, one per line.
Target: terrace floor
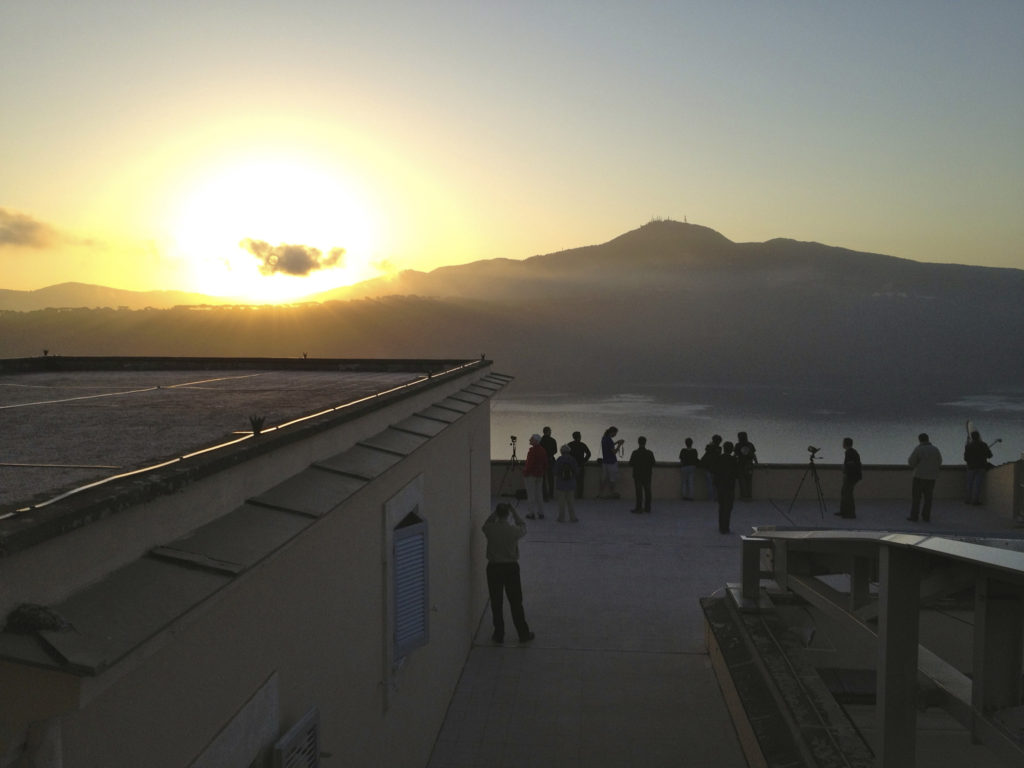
(619, 674)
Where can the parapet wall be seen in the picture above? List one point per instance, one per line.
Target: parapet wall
(1004, 486)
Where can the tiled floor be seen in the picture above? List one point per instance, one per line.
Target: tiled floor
(618, 674)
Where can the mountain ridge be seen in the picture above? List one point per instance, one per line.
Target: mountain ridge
(77, 294)
(658, 246)
(664, 303)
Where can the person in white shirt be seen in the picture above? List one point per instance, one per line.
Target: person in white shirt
(926, 461)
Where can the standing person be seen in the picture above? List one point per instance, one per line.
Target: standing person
(533, 477)
(726, 472)
(503, 577)
(711, 453)
(976, 456)
(547, 442)
(642, 462)
(581, 453)
(609, 463)
(926, 461)
(746, 457)
(566, 471)
(688, 461)
(851, 476)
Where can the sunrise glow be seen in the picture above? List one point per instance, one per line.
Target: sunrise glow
(279, 202)
(144, 147)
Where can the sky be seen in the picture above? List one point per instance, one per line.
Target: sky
(268, 150)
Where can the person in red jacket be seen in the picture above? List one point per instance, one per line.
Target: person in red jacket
(533, 478)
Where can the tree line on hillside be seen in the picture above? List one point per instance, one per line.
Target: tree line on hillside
(605, 342)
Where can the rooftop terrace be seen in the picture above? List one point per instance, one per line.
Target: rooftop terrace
(620, 674)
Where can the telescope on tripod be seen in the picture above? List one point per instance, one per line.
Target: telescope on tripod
(811, 470)
(518, 493)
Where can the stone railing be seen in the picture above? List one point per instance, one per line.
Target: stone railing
(1004, 485)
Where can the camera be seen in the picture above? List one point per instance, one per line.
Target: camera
(514, 438)
(812, 450)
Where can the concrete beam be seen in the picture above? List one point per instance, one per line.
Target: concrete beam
(898, 632)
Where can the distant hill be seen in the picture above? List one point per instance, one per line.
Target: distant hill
(673, 256)
(668, 302)
(85, 295)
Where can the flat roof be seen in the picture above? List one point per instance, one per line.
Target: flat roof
(136, 600)
(70, 422)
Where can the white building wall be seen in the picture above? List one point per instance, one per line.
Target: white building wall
(312, 616)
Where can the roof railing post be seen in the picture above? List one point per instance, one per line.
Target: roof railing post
(780, 563)
(1018, 491)
(752, 547)
(860, 582)
(896, 692)
(998, 648)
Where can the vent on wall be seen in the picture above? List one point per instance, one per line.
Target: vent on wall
(300, 747)
(411, 587)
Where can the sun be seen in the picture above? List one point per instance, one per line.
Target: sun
(278, 202)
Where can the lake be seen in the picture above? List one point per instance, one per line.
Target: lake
(781, 424)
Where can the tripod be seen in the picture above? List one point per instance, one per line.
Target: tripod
(512, 466)
(813, 472)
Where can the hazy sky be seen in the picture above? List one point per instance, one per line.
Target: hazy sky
(225, 147)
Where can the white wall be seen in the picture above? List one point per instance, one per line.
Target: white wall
(312, 616)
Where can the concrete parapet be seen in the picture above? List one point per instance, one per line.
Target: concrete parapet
(1004, 485)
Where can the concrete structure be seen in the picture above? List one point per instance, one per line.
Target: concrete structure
(899, 620)
(195, 592)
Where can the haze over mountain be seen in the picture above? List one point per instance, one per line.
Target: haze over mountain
(668, 303)
(65, 295)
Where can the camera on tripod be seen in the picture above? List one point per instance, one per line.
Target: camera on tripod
(811, 470)
(520, 493)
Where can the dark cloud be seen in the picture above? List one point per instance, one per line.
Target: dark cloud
(21, 230)
(296, 260)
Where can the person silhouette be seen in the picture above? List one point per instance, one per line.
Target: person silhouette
(726, 472)
(746, 458)
(852, 474)
(642, 463)
(688, 461)
(926, 461)
(503, 578)
(547, 442)
(711, 453)
(581, 453)
(609, 463)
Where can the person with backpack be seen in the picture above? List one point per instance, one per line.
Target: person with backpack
(565, 472)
